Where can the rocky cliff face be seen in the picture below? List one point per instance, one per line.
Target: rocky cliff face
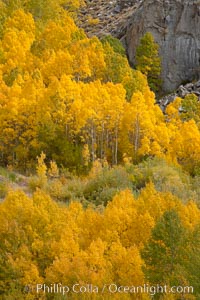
(175, 25)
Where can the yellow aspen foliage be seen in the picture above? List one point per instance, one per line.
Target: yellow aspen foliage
(172, 111)
(155, 148)
(18, 114)
(79, 112)
(86, 155)
(176, 297)
(73, 245)
(55, 93)
(21, 21)
(190, 215)
(154, 202)
(20, 265)
(92, 116)
(144, 131)
(58, 64)
(124, 222)
(121, 259)
(93, 224)
(134, 81)
(138, 122)
(26, 237)
(88, 59)
(53, 170)
(17, 40)
(77, 100)
(119, 215)
(96, 264)
(117, 67)
(87, 266)
(127, 160)
(74, 4)
(96, 58)
(59, 35)
(96, 168)
(163, 141)
(41, 169)
(70, 228)
(81, 64)
(186, 146)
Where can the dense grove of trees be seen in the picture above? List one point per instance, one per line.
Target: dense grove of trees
(67, 95)
(48, 243)
(70, 104)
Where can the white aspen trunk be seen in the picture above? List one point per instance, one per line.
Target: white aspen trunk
(116, 143)
(102, 140)
(93, 140)
(137, 135)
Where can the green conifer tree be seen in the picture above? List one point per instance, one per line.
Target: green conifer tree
(148, 61)
(165, 254)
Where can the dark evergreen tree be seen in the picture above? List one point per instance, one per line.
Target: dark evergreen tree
(166, 254)
(148, 60)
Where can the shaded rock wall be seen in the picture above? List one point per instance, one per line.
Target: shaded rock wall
(175, 25)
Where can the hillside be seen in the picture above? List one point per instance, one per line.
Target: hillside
(99, 185)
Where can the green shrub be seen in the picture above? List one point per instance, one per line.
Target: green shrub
(73, 189)
(34, 183)
(165, 177)
(101, 189)
(3, 189)
(115, 44)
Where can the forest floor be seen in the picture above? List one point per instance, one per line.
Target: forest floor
(10, 180)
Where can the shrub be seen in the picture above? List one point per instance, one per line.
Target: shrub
(92, 21)
(164, 176)
(34, 183)
(3, 189)
(101, 189)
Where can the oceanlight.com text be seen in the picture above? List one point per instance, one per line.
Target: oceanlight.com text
(112, 288)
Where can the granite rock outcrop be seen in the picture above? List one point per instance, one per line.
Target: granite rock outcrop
(175, 25)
